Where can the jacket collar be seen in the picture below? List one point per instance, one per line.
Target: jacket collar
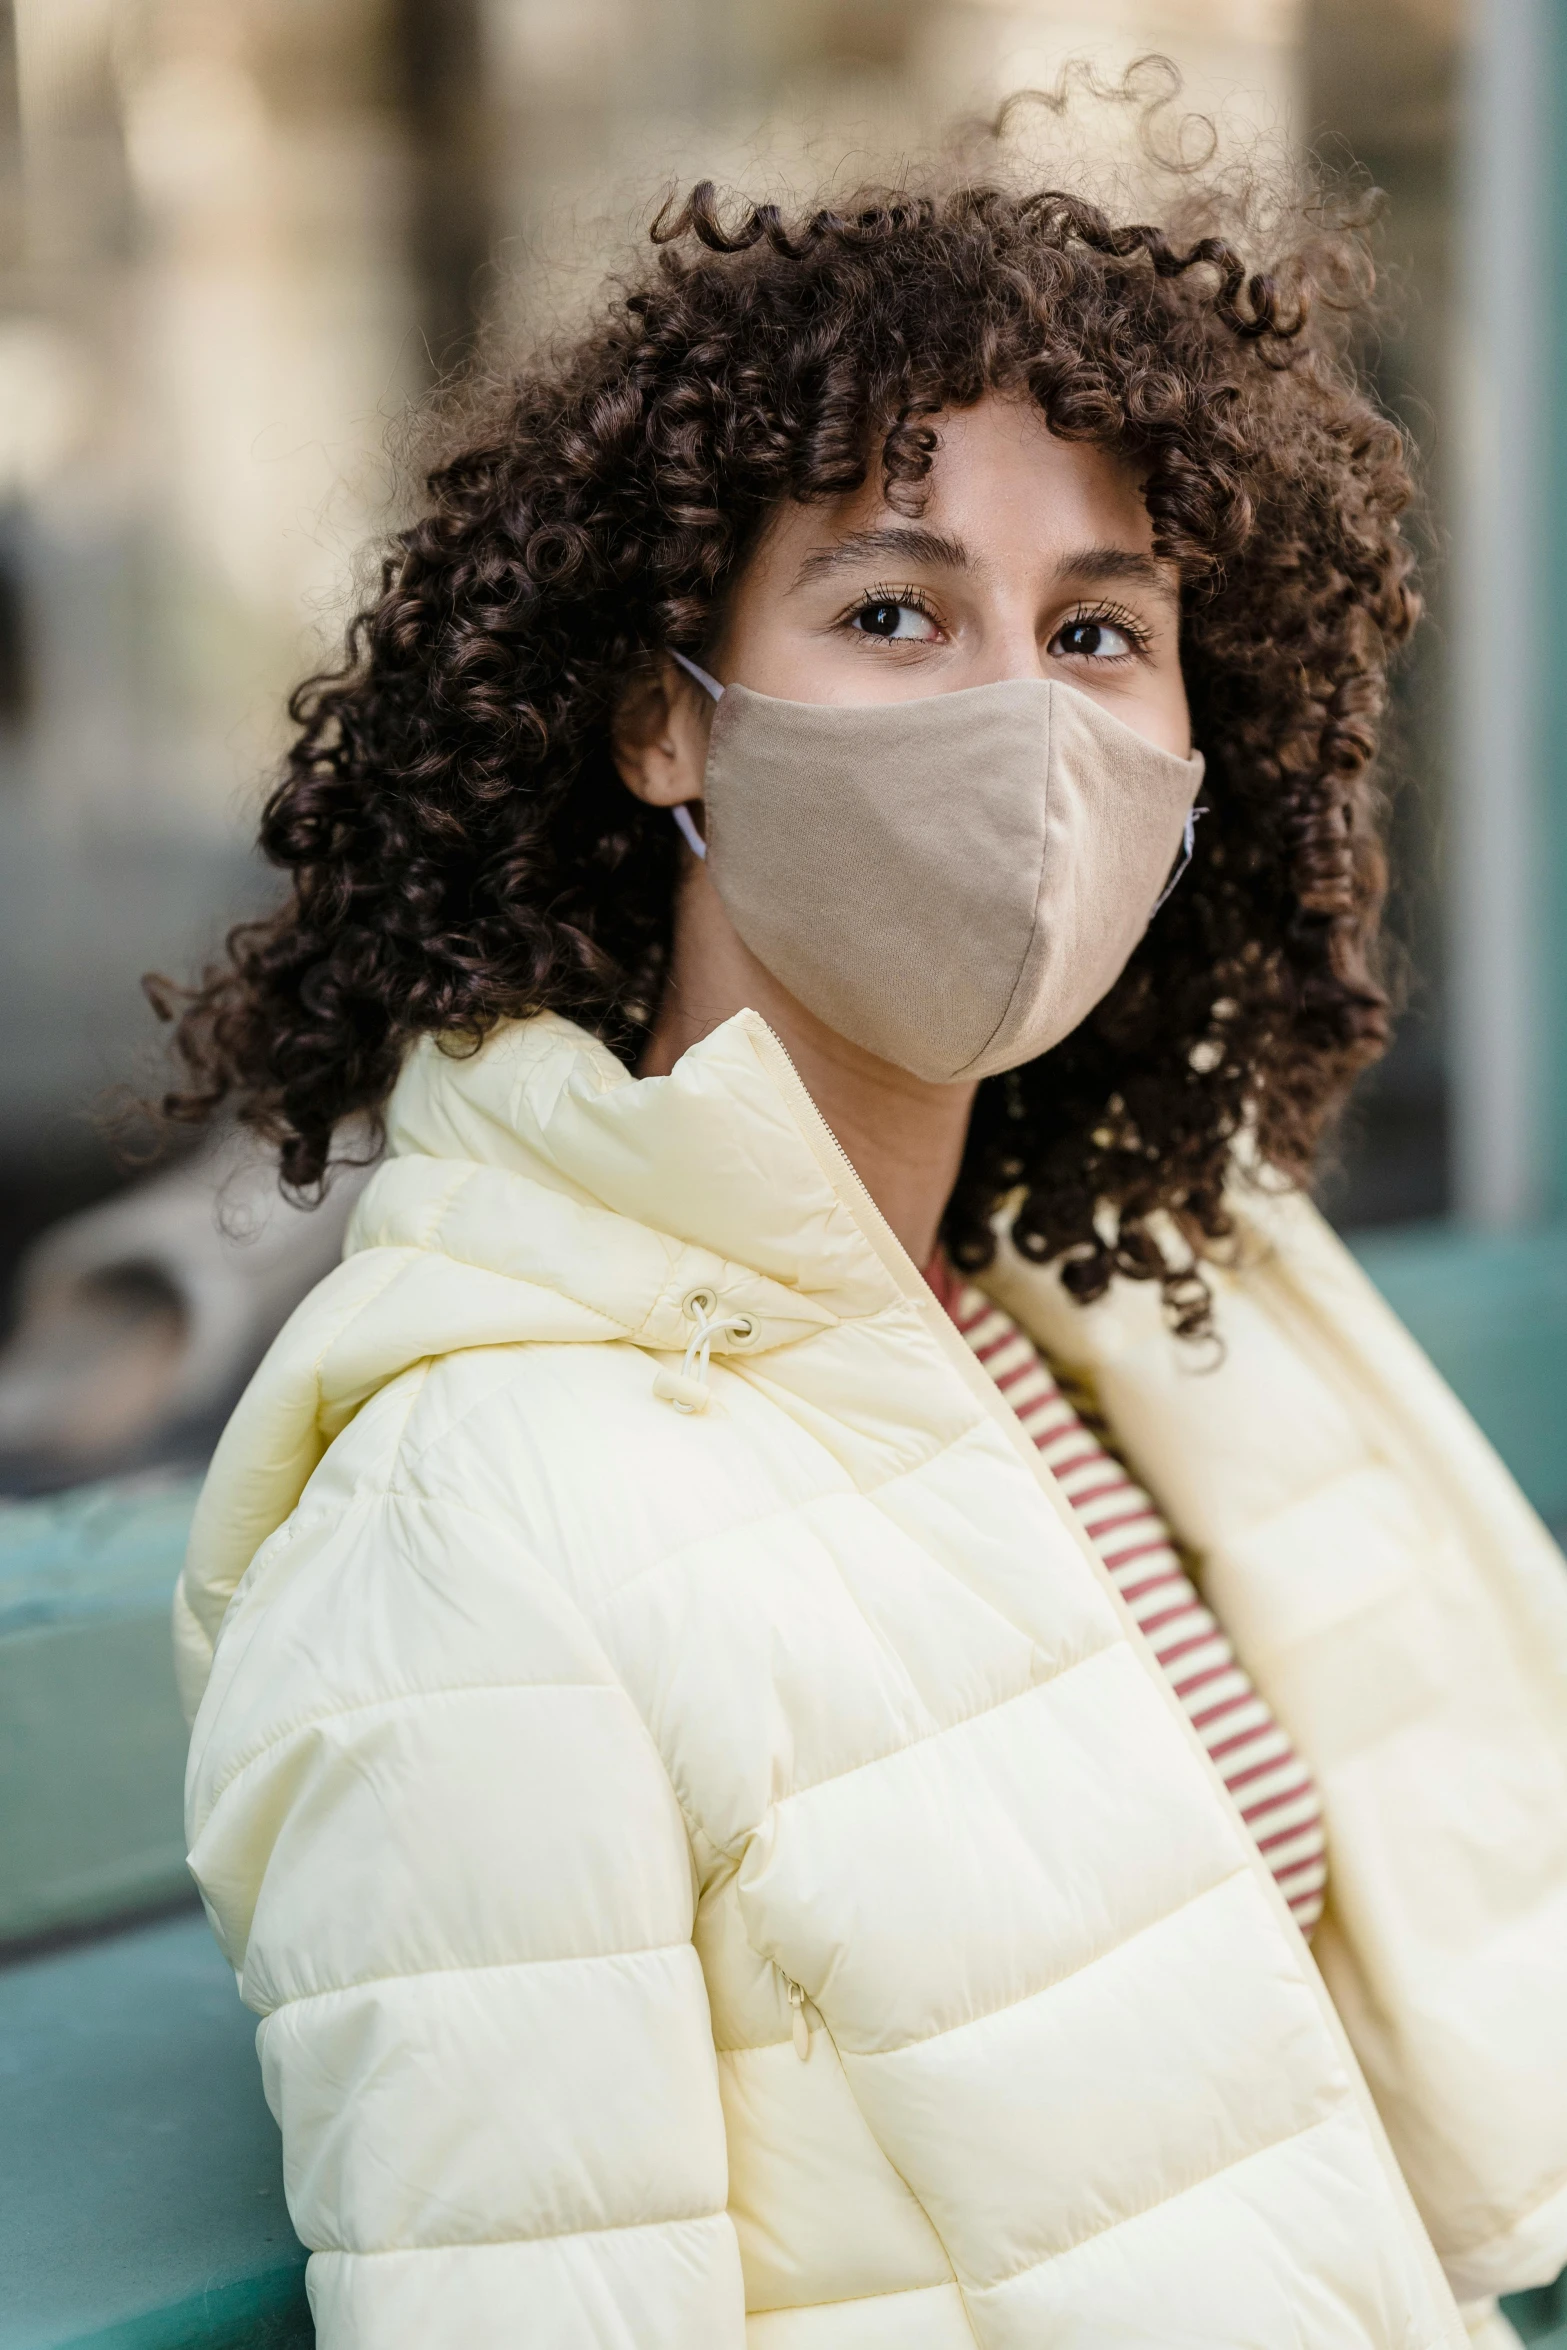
(535, 1191)
(722, 1175)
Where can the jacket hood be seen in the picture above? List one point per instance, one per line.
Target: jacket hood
(536, 1190)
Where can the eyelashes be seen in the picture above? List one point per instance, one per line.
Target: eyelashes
(1109, 615)
(877, 613)
(888, 600)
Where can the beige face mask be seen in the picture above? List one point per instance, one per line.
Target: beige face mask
(952, 883)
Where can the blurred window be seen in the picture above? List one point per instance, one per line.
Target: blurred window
(15, 670)
(1379, 95)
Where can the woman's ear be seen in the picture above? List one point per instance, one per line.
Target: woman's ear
(659, 737)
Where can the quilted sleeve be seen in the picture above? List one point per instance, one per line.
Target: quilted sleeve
(446, 1861)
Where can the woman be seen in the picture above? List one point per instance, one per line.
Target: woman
(675, 1769)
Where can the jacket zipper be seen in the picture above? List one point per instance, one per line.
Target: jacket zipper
(916, 1291)
(960, 1356)
(800, 2027)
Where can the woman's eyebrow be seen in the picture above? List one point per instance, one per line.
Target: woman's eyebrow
(913, 545)
(1089, 566)
(1084, 567)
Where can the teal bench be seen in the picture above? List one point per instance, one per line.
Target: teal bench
(141, 2185)
(92, 1747)
(1541, 2317)
(141, 2192)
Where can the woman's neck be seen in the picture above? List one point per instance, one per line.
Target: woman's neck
(903, 1137)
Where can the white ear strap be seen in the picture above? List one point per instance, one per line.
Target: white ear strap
(682, 816)
(701, 675)
(693, 839)
(1188, 844)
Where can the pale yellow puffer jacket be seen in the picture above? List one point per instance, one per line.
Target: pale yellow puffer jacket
(564, 1760)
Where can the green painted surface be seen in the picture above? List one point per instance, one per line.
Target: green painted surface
(267, 2312)
(141, 2189)
(1541, 2317)
(93, 1551)
(92, 1745)
(1491, 1311)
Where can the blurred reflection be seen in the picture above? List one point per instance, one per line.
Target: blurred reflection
(139, 1321)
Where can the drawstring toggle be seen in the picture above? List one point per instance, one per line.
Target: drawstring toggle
(687, 1388)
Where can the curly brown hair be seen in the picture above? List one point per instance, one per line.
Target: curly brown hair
(462, 851)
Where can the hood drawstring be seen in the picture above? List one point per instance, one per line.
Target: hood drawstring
(687, 1388)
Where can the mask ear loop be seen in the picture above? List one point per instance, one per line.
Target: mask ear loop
(1188, 845)
(702, 676)
(682, 815)
(688, 831)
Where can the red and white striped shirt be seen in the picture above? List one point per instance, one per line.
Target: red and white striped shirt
(1274, 1790)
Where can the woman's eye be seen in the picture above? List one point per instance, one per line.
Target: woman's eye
(1093, 640)
(894, 623)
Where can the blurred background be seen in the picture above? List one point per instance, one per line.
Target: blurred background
(239, 240)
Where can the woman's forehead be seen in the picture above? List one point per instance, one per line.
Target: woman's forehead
(1004, 492)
